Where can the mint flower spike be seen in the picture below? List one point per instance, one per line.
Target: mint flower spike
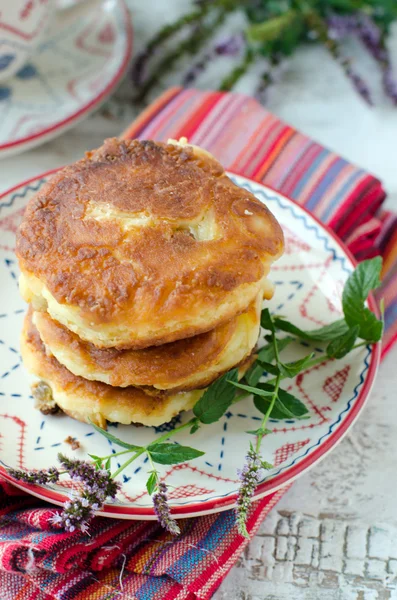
(250, 476)
(41, 477)
(98, 486)
(162, 510)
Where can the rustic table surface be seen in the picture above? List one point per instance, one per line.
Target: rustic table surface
(334, 534)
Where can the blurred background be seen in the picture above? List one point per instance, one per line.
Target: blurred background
(309, 88)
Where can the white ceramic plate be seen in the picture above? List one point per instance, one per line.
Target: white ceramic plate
(82, 59)
(309, 280)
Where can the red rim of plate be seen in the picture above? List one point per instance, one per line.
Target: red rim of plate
(267, 487)
(92, 103)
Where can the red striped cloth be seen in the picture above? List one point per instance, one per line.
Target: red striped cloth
(137, 560)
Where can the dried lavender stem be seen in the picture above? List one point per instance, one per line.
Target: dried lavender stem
(168, 30)
(188, 46)
(316, 23)
(231, 79)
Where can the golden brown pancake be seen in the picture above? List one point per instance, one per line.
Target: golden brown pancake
(95, 401)
(181, 365)
(143, 243)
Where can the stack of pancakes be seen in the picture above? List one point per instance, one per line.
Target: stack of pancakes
(145, 268)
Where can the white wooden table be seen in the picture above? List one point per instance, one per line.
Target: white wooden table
(334, 534)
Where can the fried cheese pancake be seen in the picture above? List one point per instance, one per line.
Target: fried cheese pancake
(181, 365)
(95, 401)
(143, 243)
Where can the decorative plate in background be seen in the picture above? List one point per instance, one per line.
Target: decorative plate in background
(309, 280)
(84, 56)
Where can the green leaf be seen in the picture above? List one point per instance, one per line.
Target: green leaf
(114, 439)
(292, 404)
(216, 399)
(267, 321)
(195, 427)
(266, 465)
(323, 334)
(267, 354)
(270, 29)
(286, 406)
(292, 369)
(107, 463)
(97, 461)
(254, 374)
(258, 390)
(95, 457)
(342, 346)
(260, 431)
(371, 328)
(172, 454)
(365, 278)
(273, 369)
(151, 483)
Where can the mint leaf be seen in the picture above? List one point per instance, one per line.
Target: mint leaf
(95, 457)
(292, 369)
(267, 366)
(323, 334)
(286, 406)
(195, 427)
(114, 439)
(254, 374)
(172, 454)
(371, 328)
(151, 483)
(266, 465)
(107, 463)
(258, 390)
(342, 346)
(260, 431)
(291, 403)
(267, 321)
(216, 399)
(365, 278)
(267, 354)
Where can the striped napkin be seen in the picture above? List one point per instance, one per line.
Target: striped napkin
(136, 560)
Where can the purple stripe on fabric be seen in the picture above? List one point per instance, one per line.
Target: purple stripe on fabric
(389, 227)
(155, 115)
(189, 101)
(288, 164)
(391, 316)
(309, 172)
(218, 531)
(341, 195)
(327, 179)
(221, 114)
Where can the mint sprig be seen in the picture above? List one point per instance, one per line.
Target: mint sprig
(358, 327)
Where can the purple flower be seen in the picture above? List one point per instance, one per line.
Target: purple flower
(75, 514)
(389, 84)
(139, 67)
(226, 46)
(339, 26)
(359, 84)
(249, 476)
(162, 510)
(98, 484)
(230, 46)
(40, 477)
(371, 36)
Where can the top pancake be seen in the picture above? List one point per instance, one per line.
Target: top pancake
(142, 243)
